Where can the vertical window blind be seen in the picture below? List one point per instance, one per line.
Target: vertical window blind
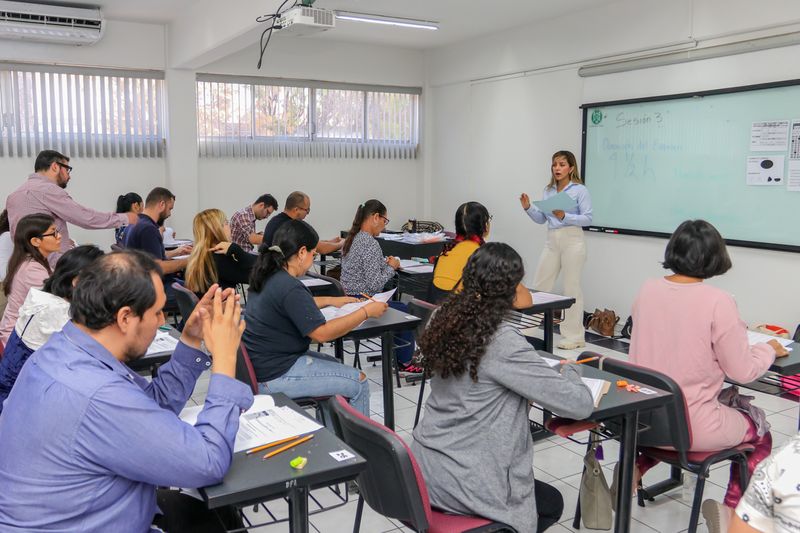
(263, 117)
(81, 111)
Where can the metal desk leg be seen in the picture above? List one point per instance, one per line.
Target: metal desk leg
(298, 510)
(548, 331)
(338, 349)
(627, 455)
(387, 343)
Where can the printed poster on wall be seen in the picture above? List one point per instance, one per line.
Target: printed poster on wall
(769, 136)
(767, 170)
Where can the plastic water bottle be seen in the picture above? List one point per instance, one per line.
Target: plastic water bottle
(689, 484)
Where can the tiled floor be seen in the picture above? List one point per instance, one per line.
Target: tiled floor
(556, 461)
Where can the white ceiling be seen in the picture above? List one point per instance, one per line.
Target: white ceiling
(459, 19)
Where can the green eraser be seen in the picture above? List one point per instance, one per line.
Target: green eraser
(298, 462)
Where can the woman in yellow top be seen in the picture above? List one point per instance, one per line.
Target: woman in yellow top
(473, 222)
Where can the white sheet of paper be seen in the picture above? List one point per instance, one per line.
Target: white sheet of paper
(185, 256)
(596, 387)
(793, 178)
(794, 141)
(769, 136)
(754, 337)
(331, 312)
(314, 282)
(407, 263)
(765, 170)
(262, 423)
(421, 269)
(561, 201)
(553, 363)
(546, 297)
(163, 342)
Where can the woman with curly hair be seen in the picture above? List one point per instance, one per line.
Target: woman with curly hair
(474, 445)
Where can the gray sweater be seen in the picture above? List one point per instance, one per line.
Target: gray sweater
(474, 444)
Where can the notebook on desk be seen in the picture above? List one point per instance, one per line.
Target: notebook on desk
(598, 387)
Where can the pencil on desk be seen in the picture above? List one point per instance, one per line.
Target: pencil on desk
(271, 444)
(290, 445)
(368, 297)
(579, 361)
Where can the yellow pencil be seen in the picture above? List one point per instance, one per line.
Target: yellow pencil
(579, 361)
(288, 446)
(271, 444)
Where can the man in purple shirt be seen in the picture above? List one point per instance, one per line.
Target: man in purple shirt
(86, 441)
(45, 192)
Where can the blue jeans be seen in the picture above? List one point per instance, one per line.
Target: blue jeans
(316, 374)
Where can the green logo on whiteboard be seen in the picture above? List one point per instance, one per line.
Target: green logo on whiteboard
(597, 116)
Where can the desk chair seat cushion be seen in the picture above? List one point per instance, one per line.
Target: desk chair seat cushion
(566, 427)
(695, 458)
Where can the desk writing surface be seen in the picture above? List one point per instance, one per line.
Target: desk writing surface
(790, 364)
(252, 479)
(391, 320)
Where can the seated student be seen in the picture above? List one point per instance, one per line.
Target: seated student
(692, 332)
(35, 239)
(297, 207)
(127, 203)
(214, 258)
(283, 318)
(473, 223)
(474, 444)
(146, 235)
(243, 222)
(770, 501)
(364, 268)
(86, 441)
(44, 312)
(6, 248)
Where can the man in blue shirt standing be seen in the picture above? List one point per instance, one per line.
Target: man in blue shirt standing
(86, 441)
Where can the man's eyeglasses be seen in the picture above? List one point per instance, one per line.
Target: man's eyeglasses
(306, 209)
(65, 166)
(55, 233)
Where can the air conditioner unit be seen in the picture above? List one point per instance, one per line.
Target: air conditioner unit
(304, 20)
(50, 24)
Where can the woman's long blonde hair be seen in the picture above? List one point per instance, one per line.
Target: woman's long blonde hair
(574, 175)
(209, 231)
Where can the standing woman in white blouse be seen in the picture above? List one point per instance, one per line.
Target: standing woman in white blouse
(565, 249)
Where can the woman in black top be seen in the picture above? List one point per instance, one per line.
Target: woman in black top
(214, 258)
(283, 318)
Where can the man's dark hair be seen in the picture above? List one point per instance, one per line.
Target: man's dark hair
(295, 199)
(268, 200)
(111, 282)
(47, 158)
(67, 269)
(159, 194)
(697, 250)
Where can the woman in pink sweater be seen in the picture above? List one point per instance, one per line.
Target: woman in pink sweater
(692, 332)
(35, 238)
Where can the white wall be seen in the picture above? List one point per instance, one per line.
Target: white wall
(491, 140)
(336, 186)
(96, 182)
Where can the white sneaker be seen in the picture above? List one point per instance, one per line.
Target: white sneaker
(716, 515)
(565, 344)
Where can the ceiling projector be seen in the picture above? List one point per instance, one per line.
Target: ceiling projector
(305, 20)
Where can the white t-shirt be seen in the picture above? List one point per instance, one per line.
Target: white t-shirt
(6, 247)
(771, 502)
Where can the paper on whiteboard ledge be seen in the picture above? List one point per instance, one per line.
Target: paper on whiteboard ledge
(765, 170)
(754, 337)
(262, 423)
(331, 312)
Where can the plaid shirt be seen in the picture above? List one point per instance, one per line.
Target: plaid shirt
(243, 223)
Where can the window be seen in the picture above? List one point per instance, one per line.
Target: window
(263, 117)
(81, 112)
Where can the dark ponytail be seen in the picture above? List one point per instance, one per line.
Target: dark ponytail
(290, 237)
(364, 211)
(125, 202)
(4, 224)
(472, 221)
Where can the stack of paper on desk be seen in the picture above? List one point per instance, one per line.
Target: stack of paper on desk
(754, 337)
(163, 342)
(263, 423)
(546, 297)
(331, 312)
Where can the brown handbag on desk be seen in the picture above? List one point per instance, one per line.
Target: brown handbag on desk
(603, 322)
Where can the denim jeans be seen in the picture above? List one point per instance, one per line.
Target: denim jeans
(315, 374)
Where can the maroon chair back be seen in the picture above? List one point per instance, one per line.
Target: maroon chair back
(244, 368)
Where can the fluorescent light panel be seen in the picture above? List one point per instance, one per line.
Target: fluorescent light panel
(388, 21)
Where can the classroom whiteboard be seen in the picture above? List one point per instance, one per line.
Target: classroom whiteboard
(731, 157)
